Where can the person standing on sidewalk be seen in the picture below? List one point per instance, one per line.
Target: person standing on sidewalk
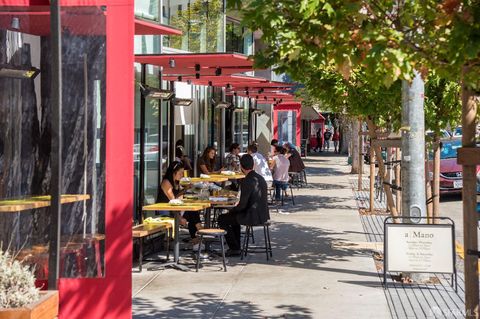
(252, 208)
(319, 140)
(280, 166)
(326, 140)
(336, 139)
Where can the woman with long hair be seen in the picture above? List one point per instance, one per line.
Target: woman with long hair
(207, 162)
(171, 189)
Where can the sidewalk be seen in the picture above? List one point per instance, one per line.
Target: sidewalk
(313, 274)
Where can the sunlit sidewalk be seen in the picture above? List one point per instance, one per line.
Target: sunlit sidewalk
(314, 273)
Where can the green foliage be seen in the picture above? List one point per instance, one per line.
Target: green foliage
(17, 283)
(351, 54)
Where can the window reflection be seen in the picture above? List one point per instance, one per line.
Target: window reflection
(202, 23)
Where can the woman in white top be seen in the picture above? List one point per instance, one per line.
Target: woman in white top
(280, 166)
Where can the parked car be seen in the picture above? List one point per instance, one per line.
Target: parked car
(450, 172)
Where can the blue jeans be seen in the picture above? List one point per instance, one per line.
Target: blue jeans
(279, 186)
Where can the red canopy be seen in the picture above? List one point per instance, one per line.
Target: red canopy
(203, 64)
(143, 27)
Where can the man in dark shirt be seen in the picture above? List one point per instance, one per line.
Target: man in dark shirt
(251, 210)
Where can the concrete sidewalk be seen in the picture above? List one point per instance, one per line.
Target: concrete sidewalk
(313, 274)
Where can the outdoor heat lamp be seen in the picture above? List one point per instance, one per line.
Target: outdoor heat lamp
(183, 102)
(222, 105)
(154, 93)
(18, 72)
(237, 109)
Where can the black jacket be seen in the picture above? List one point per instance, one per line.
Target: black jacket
(253, 206)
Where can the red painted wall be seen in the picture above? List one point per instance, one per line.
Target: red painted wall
(288, 107)
(111, 296)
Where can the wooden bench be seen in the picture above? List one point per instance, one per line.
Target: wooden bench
(139, 232)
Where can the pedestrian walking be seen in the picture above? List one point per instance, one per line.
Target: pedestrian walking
(336, 139)
(319, 139)
(326, 140)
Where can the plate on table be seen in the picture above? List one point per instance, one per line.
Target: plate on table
(218, 199)
(228, 173)
(176, 202)
(204, 176)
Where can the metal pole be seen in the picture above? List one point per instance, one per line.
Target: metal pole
(222, 132)
(470, 219)
(160, 133)
(249, 121)
(413, 149)
(171, 137)
(141, 160)
(398, 197)
(56, 180)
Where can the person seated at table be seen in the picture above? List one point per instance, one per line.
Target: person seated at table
(279, 166)
(232, 160)
(260, 163)
(296, 162)
(252, 208)
(207, 162)
(171, 189)
(181, 157)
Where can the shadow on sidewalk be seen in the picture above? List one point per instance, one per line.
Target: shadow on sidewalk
(205, 305)
(310, 248)
(311, 203)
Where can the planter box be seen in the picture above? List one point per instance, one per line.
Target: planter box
(45, 308)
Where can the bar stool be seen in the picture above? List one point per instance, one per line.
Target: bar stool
(284, 193)
(216, 233)
(268, 245)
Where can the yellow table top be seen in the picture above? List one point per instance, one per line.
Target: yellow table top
(191, 207)
(34, 202)
(230, 202)
(236, 176)
(212, 179)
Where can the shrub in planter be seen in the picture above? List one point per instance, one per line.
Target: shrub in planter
(18, 296)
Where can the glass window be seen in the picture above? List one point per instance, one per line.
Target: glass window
(148, 9)
(287, 126)
(238, 39)
(202, 23)
(25, 142)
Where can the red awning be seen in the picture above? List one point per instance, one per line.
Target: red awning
(204, 64)
(143, 27)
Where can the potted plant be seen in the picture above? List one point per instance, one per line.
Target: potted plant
(19, 299)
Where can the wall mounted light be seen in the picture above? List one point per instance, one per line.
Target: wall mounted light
(222, 104)
(171, 62)
(197, 75)
(210, 83)
(183, 102)
(189, 82)
(18, 72)
(237, 109)
(154, 93)
(229, 86)
(180, 78)
(197, 67)
(15, 23)
(218, 71)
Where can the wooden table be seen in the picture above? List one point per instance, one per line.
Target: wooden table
(139, 232)
(176, 209)
(230, 177)
(232, 202)
(34, 202)
(211, 179)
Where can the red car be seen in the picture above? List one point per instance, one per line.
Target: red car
(450, 172)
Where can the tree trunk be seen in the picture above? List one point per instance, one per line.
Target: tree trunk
(381, 169)
(360, 156)
(398, 182)
(354, 147)
(372, 178)
(470, 218)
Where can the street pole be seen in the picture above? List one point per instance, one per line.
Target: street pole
(413, 149)
(360, 156)
(372, 177)
(470, 218)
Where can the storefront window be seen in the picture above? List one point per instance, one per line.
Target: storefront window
(287, 126)
(25, 140)
(201, 21)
